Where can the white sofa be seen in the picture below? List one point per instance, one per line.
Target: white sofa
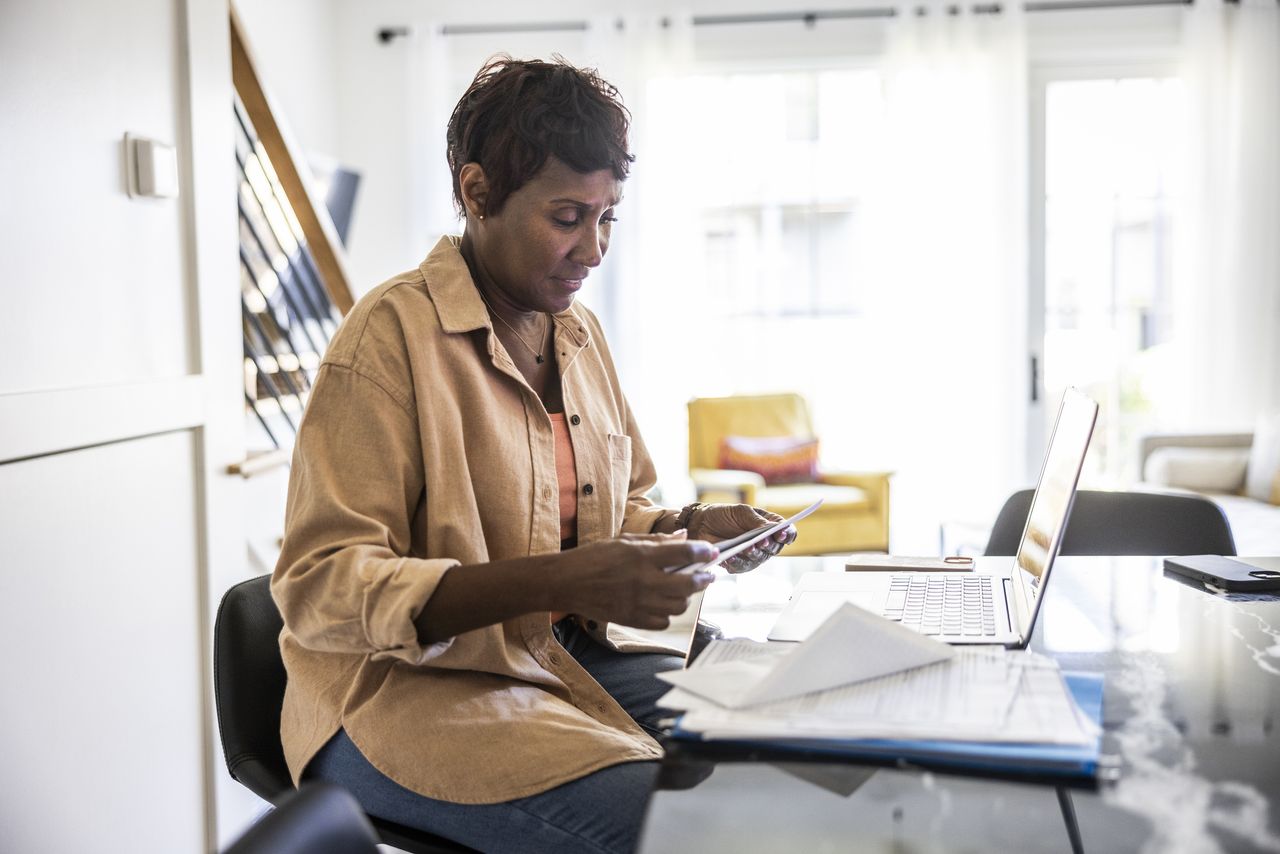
(1226, 468)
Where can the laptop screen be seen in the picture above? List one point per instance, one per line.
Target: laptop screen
(1051, 503)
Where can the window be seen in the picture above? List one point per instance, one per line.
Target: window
(777, 214)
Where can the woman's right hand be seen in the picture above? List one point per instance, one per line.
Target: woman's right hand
(624, 580)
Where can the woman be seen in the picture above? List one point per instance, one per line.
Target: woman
(467, 524)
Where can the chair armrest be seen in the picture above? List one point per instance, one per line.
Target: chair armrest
(871, 481)
(874, 483)
(876, 486)
(730, 486)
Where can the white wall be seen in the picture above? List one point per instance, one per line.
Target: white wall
(294, 44)
(342, 95)
(120, 408)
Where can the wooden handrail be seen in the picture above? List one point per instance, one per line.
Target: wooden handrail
(313, 216)
(259, 463)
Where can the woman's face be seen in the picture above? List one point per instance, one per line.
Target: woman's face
(548, 237)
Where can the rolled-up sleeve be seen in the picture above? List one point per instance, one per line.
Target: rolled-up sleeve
(345, 581)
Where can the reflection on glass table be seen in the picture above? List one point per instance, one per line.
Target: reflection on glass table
(1192, 693)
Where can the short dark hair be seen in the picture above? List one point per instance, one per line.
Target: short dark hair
(516, 113)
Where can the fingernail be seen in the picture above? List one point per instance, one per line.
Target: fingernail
(702, 579)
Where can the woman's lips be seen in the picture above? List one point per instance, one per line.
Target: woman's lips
(569, 284)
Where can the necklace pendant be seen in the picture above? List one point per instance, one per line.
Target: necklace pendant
(539, 357)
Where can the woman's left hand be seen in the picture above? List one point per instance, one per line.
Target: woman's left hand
(716, 522)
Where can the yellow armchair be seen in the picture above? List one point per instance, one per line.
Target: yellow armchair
(855, 511)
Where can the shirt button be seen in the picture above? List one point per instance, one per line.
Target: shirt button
(546, 492)
(575, 420)
(600, 707)
(588, 489)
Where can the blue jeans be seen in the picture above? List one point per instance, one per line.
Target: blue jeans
(600, 812)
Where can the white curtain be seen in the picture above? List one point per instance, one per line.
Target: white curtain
(631, 51)
(1227, 296)
(948, 394)
(929, 378)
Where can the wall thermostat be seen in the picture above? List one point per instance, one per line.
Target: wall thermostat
(151, 167)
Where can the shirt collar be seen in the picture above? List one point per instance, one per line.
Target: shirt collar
(454, 293)
(458, 302)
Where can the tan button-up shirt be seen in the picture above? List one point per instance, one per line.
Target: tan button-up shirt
(423, 448)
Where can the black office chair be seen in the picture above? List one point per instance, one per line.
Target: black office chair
(319, 818)
(248, 689)
(1124, 523)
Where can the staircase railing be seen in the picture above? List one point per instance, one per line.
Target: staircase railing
(294, 287)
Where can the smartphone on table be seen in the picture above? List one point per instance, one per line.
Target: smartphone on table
(1251, 574)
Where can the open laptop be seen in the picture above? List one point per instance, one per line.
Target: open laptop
(966, 607)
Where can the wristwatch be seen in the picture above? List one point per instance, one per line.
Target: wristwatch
(686, 514)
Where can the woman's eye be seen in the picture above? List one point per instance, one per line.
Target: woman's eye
(574, 222)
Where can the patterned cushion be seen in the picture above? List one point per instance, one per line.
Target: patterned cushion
(778, 459)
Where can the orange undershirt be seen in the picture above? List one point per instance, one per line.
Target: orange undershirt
(567, 479)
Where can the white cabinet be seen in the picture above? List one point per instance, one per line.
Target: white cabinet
(100, 623)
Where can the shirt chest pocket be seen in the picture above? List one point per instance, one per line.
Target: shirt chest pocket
(620, 478)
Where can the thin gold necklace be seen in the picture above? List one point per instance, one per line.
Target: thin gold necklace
(537, 354)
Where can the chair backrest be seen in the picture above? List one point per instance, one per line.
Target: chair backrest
(319, 818)
(248, 687)
(1124, 523)
(713, 418)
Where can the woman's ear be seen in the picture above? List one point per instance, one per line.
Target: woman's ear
(474, 187)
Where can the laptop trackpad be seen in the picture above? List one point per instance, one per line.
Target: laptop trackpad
(808, 609)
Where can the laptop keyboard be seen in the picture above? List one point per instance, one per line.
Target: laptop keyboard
(937, 604)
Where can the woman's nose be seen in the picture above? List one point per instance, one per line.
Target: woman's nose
(591, 247)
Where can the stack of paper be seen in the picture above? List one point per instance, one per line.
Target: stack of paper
(862, 677)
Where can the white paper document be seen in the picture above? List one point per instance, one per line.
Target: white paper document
(852, 645)
(982, 694)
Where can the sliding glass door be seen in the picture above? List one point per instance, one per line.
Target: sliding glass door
(1107, 175)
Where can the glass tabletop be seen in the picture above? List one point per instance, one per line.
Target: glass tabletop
(1192, 687)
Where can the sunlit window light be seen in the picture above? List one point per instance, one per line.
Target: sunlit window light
(1113, 177)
